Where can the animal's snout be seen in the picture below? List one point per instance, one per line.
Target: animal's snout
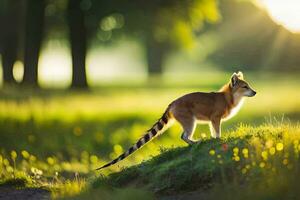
(253, 93)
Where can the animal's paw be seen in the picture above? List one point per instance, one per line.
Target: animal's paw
(199, 142)
(195, 142)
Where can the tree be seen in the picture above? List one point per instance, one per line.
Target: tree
(160, 25)
(77, 33)
(34, 25)
(155, 53)
(9, 38)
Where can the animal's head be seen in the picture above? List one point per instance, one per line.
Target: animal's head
(239, 86)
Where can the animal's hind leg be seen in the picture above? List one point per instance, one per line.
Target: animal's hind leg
(188, 126)
(187, 122)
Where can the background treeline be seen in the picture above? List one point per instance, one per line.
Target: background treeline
(247, 36)
(27, 22)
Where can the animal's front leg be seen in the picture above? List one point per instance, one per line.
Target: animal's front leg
(215, 127)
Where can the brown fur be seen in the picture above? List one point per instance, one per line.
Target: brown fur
(209, 107)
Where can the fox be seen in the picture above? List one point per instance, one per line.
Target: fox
(193, 108)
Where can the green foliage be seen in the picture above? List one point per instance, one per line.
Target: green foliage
(248, 155)
(167, 22)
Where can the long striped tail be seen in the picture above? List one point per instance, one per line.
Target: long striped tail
(156, 129)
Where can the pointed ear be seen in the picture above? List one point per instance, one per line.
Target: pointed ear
(240, 75)
(234, 79)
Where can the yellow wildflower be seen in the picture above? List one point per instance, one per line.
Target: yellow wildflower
(279, 146)
(13, 154)
(235, 150)
(25, 154)
(264, 155)
(212, 152)
(262, 165)
(272, 150)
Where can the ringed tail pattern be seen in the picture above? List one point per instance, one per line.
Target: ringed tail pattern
(151, 133)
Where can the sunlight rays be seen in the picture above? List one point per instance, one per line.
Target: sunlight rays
(276, 48)
(286, 13)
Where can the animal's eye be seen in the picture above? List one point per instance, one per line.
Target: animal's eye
(246, 87)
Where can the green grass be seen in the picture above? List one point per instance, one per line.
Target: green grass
(229, 168)
(56, 138)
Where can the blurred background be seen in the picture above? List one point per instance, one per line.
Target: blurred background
(81, 80)
(84, 43)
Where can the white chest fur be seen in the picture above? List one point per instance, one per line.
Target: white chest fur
(235, 109)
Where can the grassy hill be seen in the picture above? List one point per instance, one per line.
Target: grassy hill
(248, 163)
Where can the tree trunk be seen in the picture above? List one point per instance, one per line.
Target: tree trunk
(8, 60)
(9, 38)
(155, 56)
(78, 43)
(33, 40)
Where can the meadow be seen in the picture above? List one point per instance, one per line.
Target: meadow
(54, 139)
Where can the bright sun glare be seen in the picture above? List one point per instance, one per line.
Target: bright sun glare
(284, 12)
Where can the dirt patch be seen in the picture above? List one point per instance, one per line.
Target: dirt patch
(11, 193)
(193, 195)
